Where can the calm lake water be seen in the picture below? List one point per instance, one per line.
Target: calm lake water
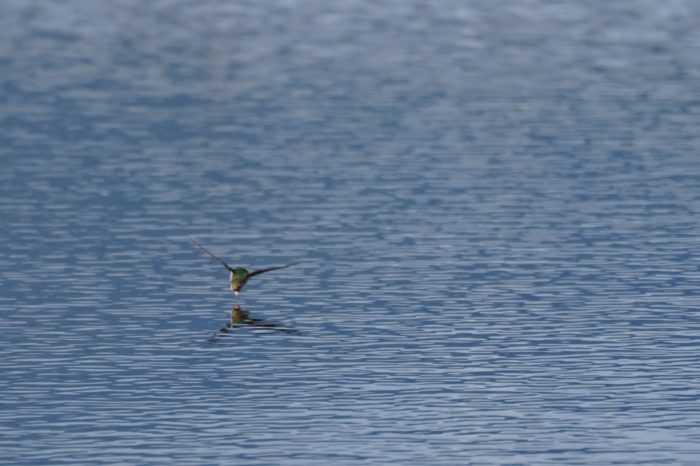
(495, 207)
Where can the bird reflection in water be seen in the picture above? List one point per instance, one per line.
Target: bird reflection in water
(241, 318)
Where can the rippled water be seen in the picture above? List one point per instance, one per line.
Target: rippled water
(494, 205)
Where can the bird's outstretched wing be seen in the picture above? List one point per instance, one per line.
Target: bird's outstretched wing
(212, 255)
(269, 269)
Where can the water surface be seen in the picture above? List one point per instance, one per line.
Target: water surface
(495, 209)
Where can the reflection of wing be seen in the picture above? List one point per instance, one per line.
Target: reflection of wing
(240, 319)
(269, 269)
(212, 255)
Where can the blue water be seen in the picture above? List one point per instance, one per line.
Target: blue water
(495, 207)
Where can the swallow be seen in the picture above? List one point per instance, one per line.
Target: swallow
(239, 276)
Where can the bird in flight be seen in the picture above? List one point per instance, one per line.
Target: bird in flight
(238, 276)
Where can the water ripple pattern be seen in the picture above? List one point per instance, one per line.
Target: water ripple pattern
(494, 206)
